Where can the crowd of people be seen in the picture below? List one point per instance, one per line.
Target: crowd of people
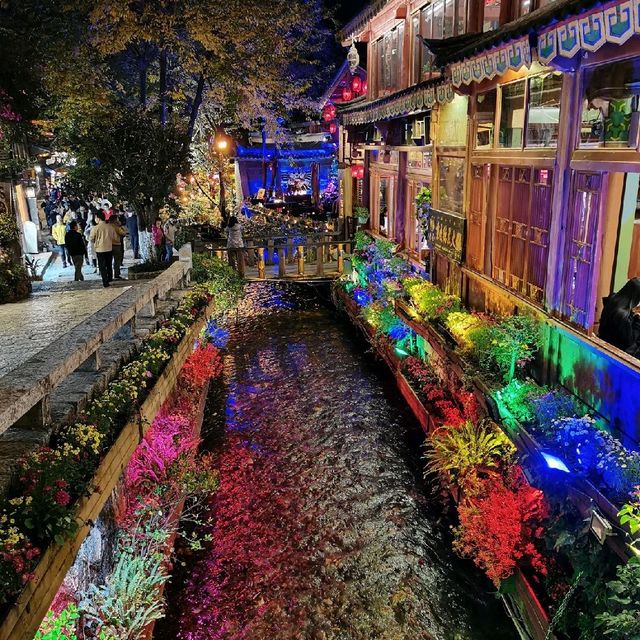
(91, 231)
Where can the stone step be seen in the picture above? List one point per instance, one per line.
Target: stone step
(73, 394)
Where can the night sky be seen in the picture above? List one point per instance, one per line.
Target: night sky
(346, 9)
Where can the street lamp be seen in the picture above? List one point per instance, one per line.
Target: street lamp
(221, 145)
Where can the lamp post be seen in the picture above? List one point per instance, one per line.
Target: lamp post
(221, 145)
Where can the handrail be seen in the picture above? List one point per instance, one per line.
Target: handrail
(25, 390)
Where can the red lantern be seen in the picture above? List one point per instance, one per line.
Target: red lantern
(356, 84)
(347, 94)
(326, 115)
(364, 86)
(361, 172)
(333, 128)
(354, 171)
(332, 110)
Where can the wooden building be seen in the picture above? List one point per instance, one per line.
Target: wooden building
(523, 118)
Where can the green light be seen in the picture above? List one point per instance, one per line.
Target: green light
(401, 352)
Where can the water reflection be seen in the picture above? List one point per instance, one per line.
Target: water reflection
(320, 528)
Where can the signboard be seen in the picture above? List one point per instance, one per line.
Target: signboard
(448, 234)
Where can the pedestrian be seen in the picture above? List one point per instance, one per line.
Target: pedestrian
(132, 227)
(235, 245)
(58, 231)
(92, 259)
(102, 236)
(158, 239)
(117, 248)
(77, 249)
(169, 239)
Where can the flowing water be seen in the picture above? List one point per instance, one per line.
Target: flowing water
(321, 528)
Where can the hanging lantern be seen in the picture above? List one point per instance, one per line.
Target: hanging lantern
(356, 84)
(353, 57)
(333, 128)
(365, 86)
(332, 110)
(354, 171)
(326, 115)
(347, 94)
(360, 172)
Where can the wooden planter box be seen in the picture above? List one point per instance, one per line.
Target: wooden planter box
(536, 616)
(177, 512)
(24, 617)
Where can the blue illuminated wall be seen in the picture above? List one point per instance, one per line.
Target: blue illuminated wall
(290, 161)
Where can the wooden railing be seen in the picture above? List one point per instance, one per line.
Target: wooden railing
(288, 258)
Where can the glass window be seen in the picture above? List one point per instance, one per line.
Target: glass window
(523, 7)
(461, 17)
(438, 19)
(449, 11)
(610, 104)
(491, 15)
(383, 205)
(544, 110)
(453, 123)
(512, 114)
(425, 26)
(451, 183)
(416, 72)
(485, 119)
(389, 56)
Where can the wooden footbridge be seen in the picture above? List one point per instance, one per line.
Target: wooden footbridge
(311, 259)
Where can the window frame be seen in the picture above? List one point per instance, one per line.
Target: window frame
(495, 146)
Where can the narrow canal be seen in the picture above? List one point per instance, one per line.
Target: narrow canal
(322, 528)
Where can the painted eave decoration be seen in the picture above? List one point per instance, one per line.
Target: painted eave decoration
(422, 97)
(612, 23)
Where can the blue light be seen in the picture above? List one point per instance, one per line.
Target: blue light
(555, 463)
(362, 298)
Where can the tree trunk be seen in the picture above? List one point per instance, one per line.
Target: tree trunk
(163, 87)
(195, 107)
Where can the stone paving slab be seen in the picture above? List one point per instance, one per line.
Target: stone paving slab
(33, 324)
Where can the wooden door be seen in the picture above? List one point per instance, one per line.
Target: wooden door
(502, 228)
(580, 265)
(539, 225)
(477, 216)
(520, 209)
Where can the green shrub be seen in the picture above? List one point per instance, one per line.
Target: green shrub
(222, 282)
(504, 348)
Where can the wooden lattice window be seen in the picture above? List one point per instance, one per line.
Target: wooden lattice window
(521, 231)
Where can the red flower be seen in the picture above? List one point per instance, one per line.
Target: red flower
(498, 526)
(61, 484)
(62, 498)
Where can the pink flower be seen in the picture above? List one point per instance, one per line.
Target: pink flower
(148, 374)
(61, 484)
(62, 498)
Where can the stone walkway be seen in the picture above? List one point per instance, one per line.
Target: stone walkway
(34, 324)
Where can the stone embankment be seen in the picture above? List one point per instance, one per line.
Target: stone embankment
(54, 384)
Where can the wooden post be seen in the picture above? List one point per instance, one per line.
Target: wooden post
(261, 274)
(270, 246)
(282, 262)
(251, 256)
(340, 258)
(219, 254)
(241, 263)
(291, 254)
(301, 260)
(320, 260)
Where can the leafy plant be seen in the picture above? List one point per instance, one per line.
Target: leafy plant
(461, 455)
(61, 626)
(499, 525)
(507, 346)
(621, 620)
(128, 601)
(430, 301)
(362, 213)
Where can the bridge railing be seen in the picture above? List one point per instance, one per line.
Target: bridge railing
(276, 258)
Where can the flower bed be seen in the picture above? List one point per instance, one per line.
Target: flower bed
(497, 352)
(164, 472)
(48, 504)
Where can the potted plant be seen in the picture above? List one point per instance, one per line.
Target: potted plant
(423, 213)
(362, 214)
